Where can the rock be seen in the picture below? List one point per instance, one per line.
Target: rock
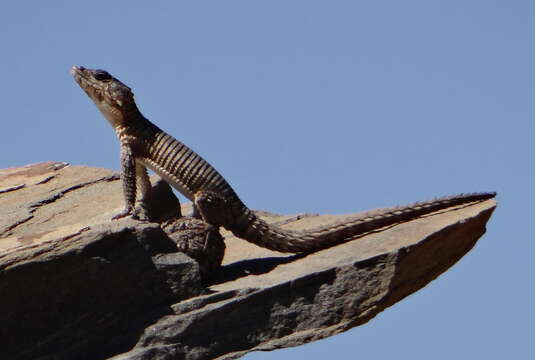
(163, 205)
(76, 285)
(74, 292)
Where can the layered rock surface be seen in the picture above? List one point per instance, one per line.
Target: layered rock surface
(75, 285)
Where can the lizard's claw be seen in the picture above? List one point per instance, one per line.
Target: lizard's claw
(126, 212)
(141, 213)
(137, 214)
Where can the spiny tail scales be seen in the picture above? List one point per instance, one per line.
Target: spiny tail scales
(250, 227)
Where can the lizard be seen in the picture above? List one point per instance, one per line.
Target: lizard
(144, 145)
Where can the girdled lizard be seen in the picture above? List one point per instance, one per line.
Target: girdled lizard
(144, 145)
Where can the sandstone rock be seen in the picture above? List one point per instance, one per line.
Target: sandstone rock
(75, 285)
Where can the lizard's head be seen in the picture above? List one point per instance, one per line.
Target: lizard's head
(112, 97)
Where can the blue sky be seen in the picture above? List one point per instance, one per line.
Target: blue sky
(315, 106)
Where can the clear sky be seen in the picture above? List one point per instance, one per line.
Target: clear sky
(315, 106)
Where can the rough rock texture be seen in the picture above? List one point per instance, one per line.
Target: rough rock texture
(75, 285)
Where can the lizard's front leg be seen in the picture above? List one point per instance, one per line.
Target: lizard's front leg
(145, 189)
(128, 177)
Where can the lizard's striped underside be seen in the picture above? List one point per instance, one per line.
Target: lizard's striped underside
(144, 145)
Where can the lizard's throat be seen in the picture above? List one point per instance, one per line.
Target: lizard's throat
(117, 116)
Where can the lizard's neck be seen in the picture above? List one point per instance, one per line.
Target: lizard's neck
(128, 120)
(132, 128)
(129, 115)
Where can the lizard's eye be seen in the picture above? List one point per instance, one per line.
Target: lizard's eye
(102, 75)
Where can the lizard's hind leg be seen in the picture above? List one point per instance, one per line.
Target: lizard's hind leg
(214, 209)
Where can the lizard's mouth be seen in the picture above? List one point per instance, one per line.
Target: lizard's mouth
(77, 68)
(78, 72)
(83, 78)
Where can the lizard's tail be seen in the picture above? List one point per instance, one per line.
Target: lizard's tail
(257, 231)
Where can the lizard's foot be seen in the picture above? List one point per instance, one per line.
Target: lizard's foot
(213, 208)
(142, 211)
(200, 241)
(127, 211)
